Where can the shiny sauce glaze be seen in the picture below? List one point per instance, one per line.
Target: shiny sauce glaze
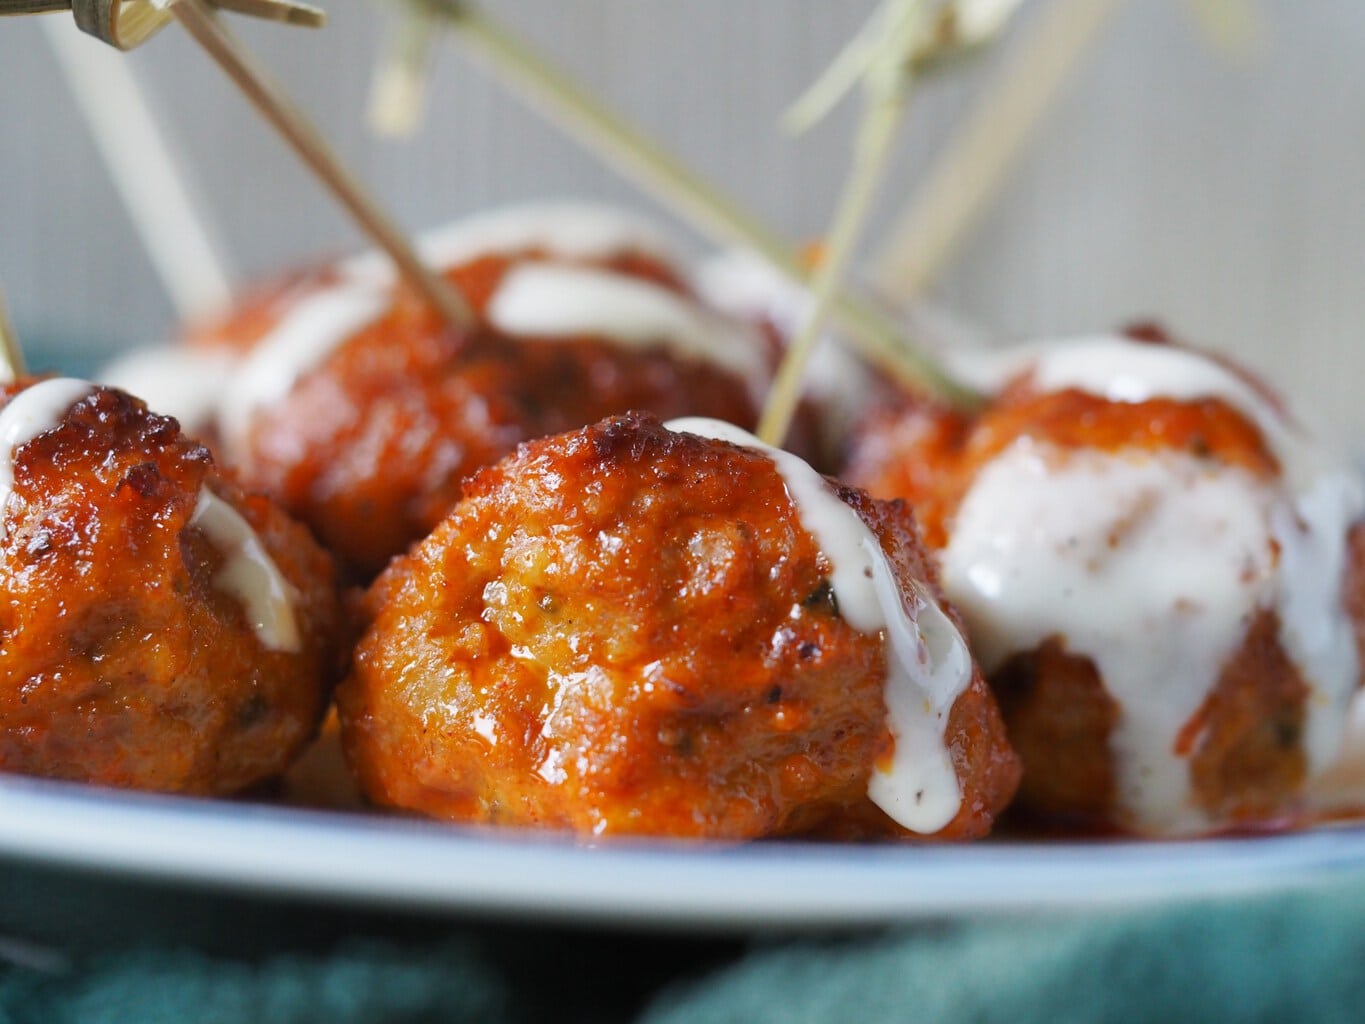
(927, 663)
(248, 574)
(629, 629)
(361, 412)
(547, 272)
(137, 649)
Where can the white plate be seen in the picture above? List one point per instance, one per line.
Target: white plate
(377, 861)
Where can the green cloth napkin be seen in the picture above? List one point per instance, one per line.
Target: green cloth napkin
(1291, 956)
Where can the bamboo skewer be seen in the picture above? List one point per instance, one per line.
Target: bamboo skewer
(145, 173)
(568, 107)
(273, 10)
(199, 21)
(1233, 26)
(887, 81)
(11, 354)
(125, 24)
(971, 171)
(950, 36)
(398, 90)
(785, 394)
(638, 158)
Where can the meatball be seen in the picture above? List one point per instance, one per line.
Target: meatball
(632, 629)
(358, 409)
(1157, 572)
(159, 629)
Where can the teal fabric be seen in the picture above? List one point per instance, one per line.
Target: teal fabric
(68, 353)
(1293, 956)
(356, 984)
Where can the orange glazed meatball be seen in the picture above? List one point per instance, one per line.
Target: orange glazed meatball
(636, 629)
(158, 628)
(1160, 571)
(358, 409)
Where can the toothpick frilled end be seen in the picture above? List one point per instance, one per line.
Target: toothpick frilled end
(126, 24)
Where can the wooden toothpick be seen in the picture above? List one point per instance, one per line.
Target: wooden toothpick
(10, 352)
(273, 10)
(1233, 26)
(202, 24)
(145, 173)
(125, 24)
(971, 170)
(398, 90)
(886, 80)
(569, 107)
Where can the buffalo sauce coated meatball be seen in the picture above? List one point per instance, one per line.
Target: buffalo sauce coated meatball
(1160, 573)
(158, 629)
(356, 407)
(636, 629)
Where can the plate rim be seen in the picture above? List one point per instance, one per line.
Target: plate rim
(371, 860)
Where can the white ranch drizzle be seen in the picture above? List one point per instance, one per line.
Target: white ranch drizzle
(543, 299)
(1150, 565)
(299, 343)
(550, 301)
(175, 380)
(32, 412)
(563, 230)
(1157, 562)
(248, 573)
(1121, 369)
(927, 662)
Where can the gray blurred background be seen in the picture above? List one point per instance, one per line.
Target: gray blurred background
(1222, 196)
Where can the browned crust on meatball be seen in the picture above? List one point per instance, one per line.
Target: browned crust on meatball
(124, 663)
(627, 630)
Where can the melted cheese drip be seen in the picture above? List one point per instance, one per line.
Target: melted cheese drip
(928, 665)
(549, 301)
(1153, 564)
(32, 412)
(248, 573)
